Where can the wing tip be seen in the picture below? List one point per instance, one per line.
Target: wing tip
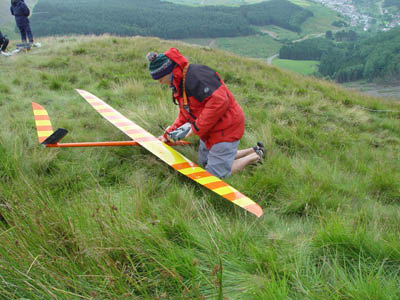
(36, 106)
(255, 209)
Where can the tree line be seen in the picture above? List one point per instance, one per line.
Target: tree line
(369, 58)
(162, 19)
(364, 57)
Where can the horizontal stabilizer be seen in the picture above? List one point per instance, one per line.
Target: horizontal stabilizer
(55, 137)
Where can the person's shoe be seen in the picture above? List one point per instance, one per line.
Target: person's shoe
(6, 53)
(37, 45)
(260, 150)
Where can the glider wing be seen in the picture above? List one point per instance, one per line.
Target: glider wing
(171, 156)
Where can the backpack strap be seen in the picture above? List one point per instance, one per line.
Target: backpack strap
(185, 98)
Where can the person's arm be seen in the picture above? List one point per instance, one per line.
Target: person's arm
(27, 12)
(180, 120)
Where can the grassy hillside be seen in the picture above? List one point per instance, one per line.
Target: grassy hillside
(117, 223)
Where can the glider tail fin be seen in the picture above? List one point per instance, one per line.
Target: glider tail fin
(42, 121)
(44, 129)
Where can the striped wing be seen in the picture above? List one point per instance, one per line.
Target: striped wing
(171, 156)
(42, 121)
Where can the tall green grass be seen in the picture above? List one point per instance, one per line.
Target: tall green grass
(117, 223)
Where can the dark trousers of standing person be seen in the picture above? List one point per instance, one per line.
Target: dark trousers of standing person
(3, 44)
(25, 30)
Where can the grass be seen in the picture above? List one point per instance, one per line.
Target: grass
(256, 46)
(305, 67)
(117, 223)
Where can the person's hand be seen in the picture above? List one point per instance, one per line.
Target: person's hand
(162, 139)
(190, 133)
(181, 132)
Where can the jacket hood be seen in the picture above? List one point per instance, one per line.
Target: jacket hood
(174, 55)
(181, 61)
(15, 2)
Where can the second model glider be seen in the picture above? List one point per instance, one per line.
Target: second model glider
(162, 150)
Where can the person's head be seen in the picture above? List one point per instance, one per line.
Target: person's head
(160, 67)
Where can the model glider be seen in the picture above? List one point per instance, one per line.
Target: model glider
(143, 138)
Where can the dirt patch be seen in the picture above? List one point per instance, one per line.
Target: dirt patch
(376, 90)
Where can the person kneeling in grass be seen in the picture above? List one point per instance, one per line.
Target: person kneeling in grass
(3, 45)
(207, 109)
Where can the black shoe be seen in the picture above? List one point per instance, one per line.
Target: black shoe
(260, 150)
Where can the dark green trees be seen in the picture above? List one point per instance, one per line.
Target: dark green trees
(161, 19)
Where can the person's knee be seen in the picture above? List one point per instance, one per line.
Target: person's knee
(202, 155)
(219, 170)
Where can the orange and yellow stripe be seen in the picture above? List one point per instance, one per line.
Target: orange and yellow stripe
(42, 122)
(170, 155)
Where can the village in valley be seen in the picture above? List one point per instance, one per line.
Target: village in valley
(348, 8)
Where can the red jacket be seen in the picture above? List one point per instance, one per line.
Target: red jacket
(214, 113)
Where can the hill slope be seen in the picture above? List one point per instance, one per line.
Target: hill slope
(116, 223)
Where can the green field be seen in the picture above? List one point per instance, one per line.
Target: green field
(256, 46)
(118, 223)
(305, 67)
(314, 26)
(322, 20)
(280, 33)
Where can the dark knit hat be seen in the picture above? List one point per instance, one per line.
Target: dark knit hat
(160, 65)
